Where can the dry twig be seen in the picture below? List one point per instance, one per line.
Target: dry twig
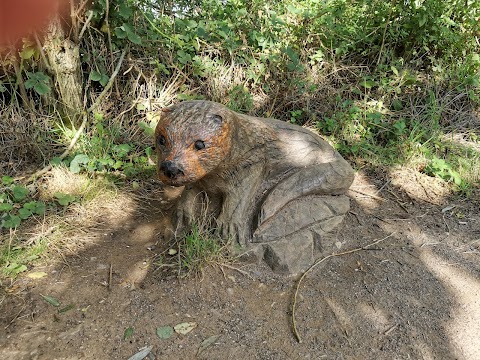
(369, 195)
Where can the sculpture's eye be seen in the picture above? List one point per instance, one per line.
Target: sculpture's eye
(199, 145)
(161, 140)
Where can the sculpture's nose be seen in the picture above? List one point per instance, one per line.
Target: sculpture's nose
(170, 169)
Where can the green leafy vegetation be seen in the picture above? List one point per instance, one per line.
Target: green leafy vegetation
(16, 205)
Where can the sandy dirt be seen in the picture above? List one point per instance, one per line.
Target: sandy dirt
(413, 295)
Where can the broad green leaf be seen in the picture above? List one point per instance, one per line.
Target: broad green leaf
(124, 11)
(24, 213)
(120, 32)
(30, 83)
(127, 333)
(98, 117)
(122, 149)
(367, 84)
(77, 161)
(20, 193)
(7, 180)
(104, 79)
(11, 221)
(56, 161)
(6, 207)
(40, 208)
(41, 88)
(27, 53)
(51, 300)
(134, 38)
(95, 75)
(118, 164)
(15, 268)
(164, 332)
(397, 105)
(41, 76)
(75, 167)
(64, 199)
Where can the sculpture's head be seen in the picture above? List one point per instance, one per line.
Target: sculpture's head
(192, 138)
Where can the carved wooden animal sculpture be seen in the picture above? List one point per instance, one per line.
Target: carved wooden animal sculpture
(273, 187)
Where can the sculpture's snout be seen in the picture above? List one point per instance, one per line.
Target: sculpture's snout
(170, 169)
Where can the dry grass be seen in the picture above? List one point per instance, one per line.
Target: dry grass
(24, 139)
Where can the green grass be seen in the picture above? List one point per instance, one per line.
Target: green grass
(192, 252)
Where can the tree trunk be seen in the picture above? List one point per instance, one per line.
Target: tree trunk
(64, 60)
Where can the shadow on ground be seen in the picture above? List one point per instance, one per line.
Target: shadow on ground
(416, 294)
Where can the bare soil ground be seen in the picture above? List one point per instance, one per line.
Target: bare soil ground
(414, 295)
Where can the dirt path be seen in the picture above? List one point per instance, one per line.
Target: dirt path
(415, 295)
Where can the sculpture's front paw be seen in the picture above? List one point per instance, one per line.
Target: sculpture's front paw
(232, 231)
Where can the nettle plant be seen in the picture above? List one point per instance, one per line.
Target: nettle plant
(16, 205)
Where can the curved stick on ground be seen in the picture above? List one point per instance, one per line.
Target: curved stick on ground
(318, 262)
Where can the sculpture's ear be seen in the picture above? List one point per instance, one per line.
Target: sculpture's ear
(217, 119)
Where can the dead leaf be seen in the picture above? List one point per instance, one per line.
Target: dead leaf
(66, 308)
(36, 274)
(207, 342)
(448, 208)
(142, 353)
(185, 328)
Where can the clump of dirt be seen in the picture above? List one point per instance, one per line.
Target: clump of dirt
(415, 294)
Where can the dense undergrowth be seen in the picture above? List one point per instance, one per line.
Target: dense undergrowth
(389, 83)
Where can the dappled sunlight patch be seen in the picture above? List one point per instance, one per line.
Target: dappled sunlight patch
(420, 186)
(144, 232)
(364, 192)
(464, 327)
(61, 180)
(136, 274)
(378, 317)
(93, 201)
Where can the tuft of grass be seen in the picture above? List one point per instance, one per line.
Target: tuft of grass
(192, 252)
(198, 249)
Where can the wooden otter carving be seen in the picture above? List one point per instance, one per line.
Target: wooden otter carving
(272, 186)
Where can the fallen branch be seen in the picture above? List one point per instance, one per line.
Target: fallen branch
(85, 118)
(318, 262)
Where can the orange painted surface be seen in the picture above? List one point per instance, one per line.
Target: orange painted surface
(21, 18)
